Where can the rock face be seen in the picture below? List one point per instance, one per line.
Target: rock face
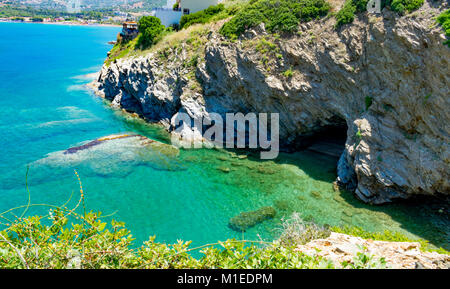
(398, 255)
(384, 79)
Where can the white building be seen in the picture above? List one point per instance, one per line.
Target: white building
(169, 16)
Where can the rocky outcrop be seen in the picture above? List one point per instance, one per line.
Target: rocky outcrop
(383, 78)
(95, 157)
(341, 248)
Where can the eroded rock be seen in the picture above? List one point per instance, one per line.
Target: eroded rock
(398, 255)
(396, 147)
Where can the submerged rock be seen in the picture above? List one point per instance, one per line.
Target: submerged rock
(348, 213)
(224, 169)
(265, 170)
(281, 205)
(316, 195)
(114, 155)
(222, 158)
(246, 220)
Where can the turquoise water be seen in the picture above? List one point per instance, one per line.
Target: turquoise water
(46, 109)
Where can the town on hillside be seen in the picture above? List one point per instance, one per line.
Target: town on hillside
(124, 12)
(169, 16)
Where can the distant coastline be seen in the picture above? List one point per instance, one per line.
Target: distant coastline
(67, 23)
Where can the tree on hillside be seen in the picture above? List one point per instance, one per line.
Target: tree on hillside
(150, 28)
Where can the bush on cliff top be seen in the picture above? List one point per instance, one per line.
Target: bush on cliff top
(444, 20)
(403, 6)
(203, 16)
(346, 14)
(277, 15)
(150, 29)
(212, 13)
(348, 10)
(350, 7)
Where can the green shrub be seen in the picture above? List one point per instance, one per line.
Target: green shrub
(350, 7)
(284, 20)
(67, 239)
(241, 22)
(346, 14)
(288, 73)
(121, 49)
(265, 46)
(402, 6)
(444, 20)
(364, 261)
(150, 29)
(203, 16)
(278, 15)
(193, 62)
(358, 136)
(361, 5)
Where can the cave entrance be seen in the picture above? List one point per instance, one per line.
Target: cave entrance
(329, 139)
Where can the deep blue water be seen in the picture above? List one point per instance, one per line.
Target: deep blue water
(45, 108)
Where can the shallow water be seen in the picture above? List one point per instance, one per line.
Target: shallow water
(46, 110)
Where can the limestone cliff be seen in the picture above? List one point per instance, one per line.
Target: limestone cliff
(384, 78)
(341, 248)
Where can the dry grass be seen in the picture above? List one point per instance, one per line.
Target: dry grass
(336, 5)
(296, 231)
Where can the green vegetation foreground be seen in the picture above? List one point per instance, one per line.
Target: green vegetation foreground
(67, 239)
(87, 244)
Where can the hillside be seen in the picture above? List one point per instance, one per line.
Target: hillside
(60, 5)
(378, 82)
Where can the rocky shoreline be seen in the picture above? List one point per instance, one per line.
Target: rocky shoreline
(398, 255)
(382, 80)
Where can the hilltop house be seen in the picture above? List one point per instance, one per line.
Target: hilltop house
(172, 16)
(129, 30)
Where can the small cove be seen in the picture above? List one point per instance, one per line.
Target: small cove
(46, 109)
